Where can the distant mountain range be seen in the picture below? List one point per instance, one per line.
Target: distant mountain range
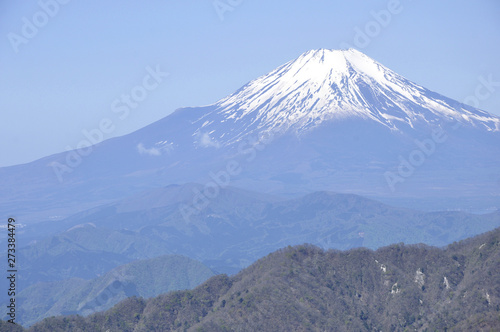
(143, 278)
(305, 288)
(320, 150)
(74, 263)
(233, 230)
(329, 120)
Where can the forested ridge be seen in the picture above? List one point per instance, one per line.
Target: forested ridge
(304, 288)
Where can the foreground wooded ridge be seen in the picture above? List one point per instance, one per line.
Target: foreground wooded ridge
(303, 288)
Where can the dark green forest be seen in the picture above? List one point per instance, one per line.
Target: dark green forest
(304, 288)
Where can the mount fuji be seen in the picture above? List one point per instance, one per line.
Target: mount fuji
(323, 85)
(332, 120)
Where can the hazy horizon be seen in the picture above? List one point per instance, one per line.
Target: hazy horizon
(63, 74)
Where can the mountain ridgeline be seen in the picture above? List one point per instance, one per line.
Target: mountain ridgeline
(67, 272)
(331, 149)
(233, 230)
(304, 288)
(330, 120)
(144, 278)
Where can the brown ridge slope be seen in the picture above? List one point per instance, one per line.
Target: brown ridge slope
(303, 288)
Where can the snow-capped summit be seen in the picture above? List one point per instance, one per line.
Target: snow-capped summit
(333, 84)
(344, 123)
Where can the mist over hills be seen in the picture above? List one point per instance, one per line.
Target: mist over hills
(332, 149)
(142, 278)
(233, 230)
(328, 120)
(395, 288)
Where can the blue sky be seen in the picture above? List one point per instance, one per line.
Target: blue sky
(63, 75)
